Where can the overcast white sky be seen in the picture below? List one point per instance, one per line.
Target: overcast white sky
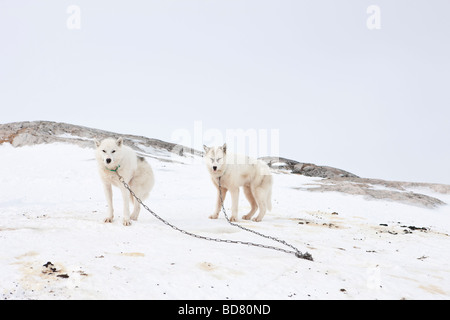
(373, 102)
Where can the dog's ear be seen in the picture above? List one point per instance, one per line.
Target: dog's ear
(224, 148)
(119, 142)
(206, 148)
(97, 143)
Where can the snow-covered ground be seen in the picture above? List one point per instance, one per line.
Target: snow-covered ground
(52, 208)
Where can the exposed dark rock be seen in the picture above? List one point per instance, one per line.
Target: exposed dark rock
(306, 169)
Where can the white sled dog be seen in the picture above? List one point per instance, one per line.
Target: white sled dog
(239, 171)
(112, 155)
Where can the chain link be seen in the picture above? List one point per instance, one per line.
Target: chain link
(296, 252)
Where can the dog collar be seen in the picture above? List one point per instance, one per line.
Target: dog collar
(114, 170)
(223, 173)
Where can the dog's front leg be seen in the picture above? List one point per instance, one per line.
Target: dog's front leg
(108, 195)
(220, 198)
(126, 206)
(234, 204)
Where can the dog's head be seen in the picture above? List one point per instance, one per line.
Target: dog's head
(109, 151)
(215, 159)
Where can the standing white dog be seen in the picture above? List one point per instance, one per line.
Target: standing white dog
(239, 171)
(113, 156)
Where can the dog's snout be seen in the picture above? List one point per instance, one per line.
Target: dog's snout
(108, 160)
(215, 168)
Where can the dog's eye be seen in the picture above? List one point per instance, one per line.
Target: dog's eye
(218, 159)
(104, 151)
(113, 151)
(212, 160)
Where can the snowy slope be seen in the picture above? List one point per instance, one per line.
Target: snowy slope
(52, 206)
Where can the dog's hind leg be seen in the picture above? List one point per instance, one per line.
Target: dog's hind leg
(261, 199)
(254, 206)
(136, 210)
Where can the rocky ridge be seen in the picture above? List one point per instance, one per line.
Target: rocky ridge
(20, 134)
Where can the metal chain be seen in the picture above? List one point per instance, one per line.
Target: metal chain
(297, 253)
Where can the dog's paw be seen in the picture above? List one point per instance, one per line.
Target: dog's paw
(126, 222)
(213, 216)
(246, 217)
(233, 219)
(108, 220)
(134, 217)
(257, 219)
